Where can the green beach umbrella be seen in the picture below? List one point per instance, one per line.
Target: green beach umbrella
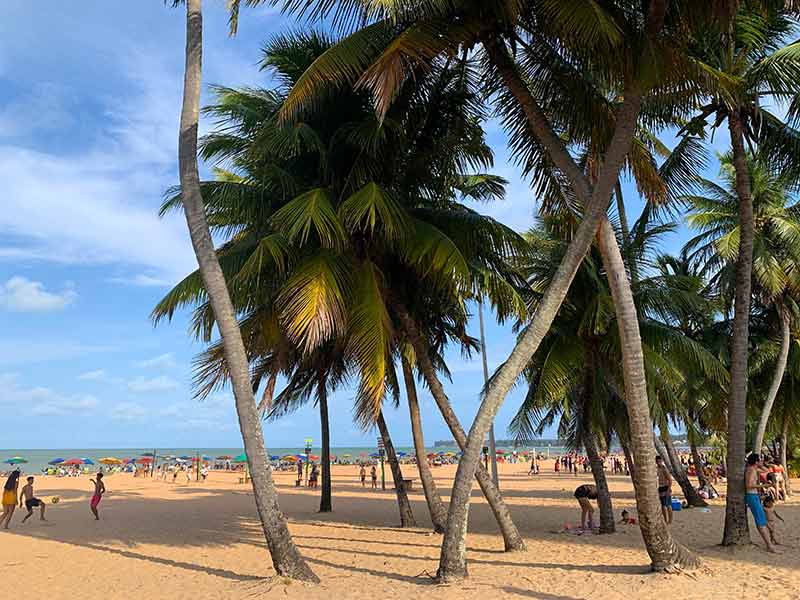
(241, 458)
(16, 460)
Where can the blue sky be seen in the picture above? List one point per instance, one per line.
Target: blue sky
(89, 105)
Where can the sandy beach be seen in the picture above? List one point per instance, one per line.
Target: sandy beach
(202, 540)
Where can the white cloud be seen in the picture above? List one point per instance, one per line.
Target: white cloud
(141, 280)
(31, 351)
(42, 400)
(19, 294)
(143, 385)
(129, 411)
(42, 109)
(163, 361)
(97, 375)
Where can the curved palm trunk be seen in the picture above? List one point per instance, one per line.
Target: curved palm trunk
(665, 553)
(435, 505)
(512, 539)
(698, 461)
(325, 501)
(736, 528)
(689, 491)
(492, 444)
(626, 450)
(784, 462)
(452, 561)
(406, 516)
(607, 524)
(285, 557)
(777, 378)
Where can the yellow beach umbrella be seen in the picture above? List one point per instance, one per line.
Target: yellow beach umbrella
(110, 460)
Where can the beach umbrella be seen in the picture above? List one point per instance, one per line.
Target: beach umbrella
(224, 457)
(274, 457)
(88, 461)
(313, 457)
(185, 457)
(374, 455)
(401, 454)
(500, 452)
(347, 455)
(16, 460)
(56, 461)
(241, 458)
(144, 459)
(150, 454)
(289, 458)
(109, 460)
(73, 461)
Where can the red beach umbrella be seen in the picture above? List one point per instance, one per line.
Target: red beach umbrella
(73, 461)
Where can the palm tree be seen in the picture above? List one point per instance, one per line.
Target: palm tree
(326, 214)
(285, 557)
(748, 67)
(402, 39)
(776, 255)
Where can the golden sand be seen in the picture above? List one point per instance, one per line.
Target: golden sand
(202, 540)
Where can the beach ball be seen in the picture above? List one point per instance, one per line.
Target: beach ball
(55, 500)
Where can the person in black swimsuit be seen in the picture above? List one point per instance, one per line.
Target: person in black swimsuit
(584, 493)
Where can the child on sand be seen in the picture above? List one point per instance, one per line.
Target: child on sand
(31, 501)
(769, 511)
(627, 519)
(99, 490)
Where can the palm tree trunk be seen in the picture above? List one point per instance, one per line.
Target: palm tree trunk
(777, 378)
(512, 539)
(626, 450)
(406, 516)
(607, 523)
(665, 553)
(435, 505)
(285, 557)
(452, 560)
(784, 453)
(325, 501)
(689, 491)
(736, 529)
(484, 361)
(698, 461)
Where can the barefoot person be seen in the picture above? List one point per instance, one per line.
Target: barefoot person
(664, 490)
(772, 518)
(584, 493)
(99, 490)
(31, 501)
(10, 490)
(752, 487)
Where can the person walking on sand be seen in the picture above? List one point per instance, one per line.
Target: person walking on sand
(99, 490)
(664, 490)
(374, 475)
(752, 487)
(31, 501)
(362, 473)
(584, 493)
(10, 490)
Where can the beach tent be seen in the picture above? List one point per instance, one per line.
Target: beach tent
(73, 461)
(56, 461)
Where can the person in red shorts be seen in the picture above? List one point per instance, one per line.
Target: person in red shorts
(99, 490)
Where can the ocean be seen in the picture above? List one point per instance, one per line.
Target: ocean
(38, 459)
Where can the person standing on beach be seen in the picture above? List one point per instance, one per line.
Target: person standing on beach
(753, 501)
(31, 501)
(9, 498)
(99, 490)
(664, 490)
(362, 473)
(374, 475)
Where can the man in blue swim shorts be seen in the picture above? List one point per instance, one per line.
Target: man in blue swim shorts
(752, 487)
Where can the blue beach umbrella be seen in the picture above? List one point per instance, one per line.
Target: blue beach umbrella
(88, 461)
(374, 455)
(184, 457)
(274, 457)
(56, 461)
